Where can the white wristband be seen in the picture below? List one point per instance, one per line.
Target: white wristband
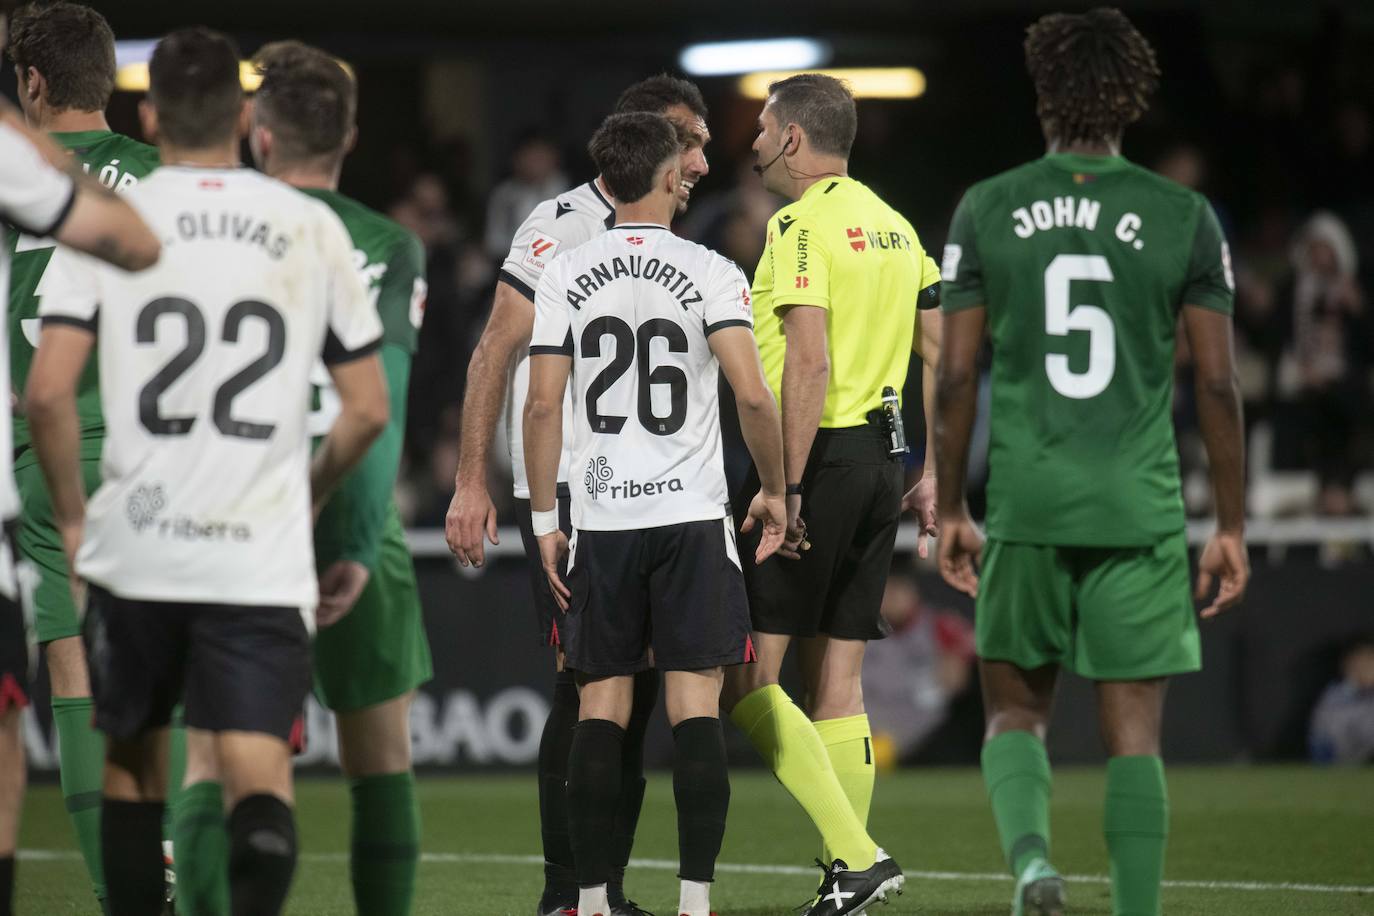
(544, 522)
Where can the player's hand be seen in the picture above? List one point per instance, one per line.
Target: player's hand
(470, 516)
(1224, 560)
(340, 586)
(961, 546)
(771, 512)
(71, 543)
(920, 499)
(553, 548)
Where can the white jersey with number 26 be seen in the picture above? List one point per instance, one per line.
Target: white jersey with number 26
(634, 308)
(205, 385)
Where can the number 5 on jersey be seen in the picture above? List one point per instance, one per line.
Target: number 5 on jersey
(1060, 319)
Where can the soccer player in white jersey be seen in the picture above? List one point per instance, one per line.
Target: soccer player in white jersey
(641, 321)
(46, 202)
(500, 367)
(196, 548)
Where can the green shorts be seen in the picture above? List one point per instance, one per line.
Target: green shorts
(1106, 613)
(54, 613)
(378, 651)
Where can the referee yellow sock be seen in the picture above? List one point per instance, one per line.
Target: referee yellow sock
(787, 741)
(849, 744)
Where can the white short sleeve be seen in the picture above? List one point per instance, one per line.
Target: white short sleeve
(535, 246)
(552, 317)
(727, 304)
(33, 195)
(69, 292)
(353, 327)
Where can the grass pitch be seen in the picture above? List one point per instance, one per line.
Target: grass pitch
(1250, 841)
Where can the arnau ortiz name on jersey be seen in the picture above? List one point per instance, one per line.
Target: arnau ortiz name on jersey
(672, 278)
(207, 226)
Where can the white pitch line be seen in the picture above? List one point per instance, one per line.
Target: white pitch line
(478, 858)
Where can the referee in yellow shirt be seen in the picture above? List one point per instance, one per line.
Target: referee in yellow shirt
(839, 298)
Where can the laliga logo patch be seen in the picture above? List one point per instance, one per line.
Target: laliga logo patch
(541, 251)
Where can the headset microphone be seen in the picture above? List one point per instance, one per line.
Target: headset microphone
(760, 169)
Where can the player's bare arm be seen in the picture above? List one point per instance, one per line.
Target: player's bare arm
(471, 514)
(363, 416)
(50, 402)
(921, 499)
(99, 222)
(956, 404)
(805, 377)
(738, 356)
(1224, 559)
(105, 226)
(543, 445)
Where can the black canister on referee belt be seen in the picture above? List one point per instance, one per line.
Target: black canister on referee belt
(892, 423)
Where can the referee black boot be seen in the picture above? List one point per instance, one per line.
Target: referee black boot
(844, 890)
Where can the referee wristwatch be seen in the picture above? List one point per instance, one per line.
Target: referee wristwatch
(794, 489)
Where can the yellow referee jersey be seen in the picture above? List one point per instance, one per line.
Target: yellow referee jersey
(842, 249)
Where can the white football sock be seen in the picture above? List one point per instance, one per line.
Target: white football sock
(592, 901)
(695, 899)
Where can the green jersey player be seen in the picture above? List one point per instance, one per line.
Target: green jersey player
(371, 652)
(65, 61)
(1080, 266)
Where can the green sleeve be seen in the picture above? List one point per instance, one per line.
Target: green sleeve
(354, 517)
(1210, 283)
(961, 269)
(401, 295)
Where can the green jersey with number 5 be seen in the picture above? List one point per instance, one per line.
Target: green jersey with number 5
(1083, 263)
(117, 162)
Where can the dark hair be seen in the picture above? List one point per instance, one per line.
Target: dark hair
(657, 94)
(1093, 74)
(306, 97)
(820, 105)
(194, 85)
(74, 49)
(629, 149)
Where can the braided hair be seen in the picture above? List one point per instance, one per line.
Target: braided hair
(1093, 74)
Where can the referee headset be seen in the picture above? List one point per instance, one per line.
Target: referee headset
(760, 169)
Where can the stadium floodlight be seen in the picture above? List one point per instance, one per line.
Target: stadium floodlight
(133, 77)
(131, 66)
(864, 82)
(723, 58)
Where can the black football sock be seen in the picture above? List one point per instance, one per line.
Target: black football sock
(593, 793)
(560, 880)
(131, 850)
(631, 782)
(701, 788)
(262, 855)
(7, 885)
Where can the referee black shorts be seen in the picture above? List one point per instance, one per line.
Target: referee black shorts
(851, 503)
(235, 667)
(547, 617)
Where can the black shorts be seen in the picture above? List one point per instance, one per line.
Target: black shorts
(547, 616)
(238, 668)
(676, 588)
(14, 636)
(14, 656)
(851, 503)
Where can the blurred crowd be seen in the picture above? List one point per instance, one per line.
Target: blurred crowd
(1293, 182)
